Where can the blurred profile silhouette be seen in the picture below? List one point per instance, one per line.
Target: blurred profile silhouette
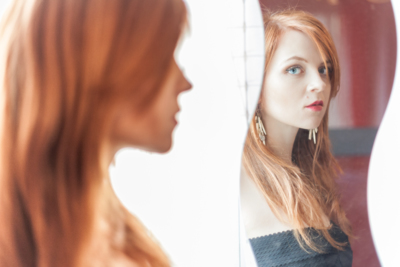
(81, 79)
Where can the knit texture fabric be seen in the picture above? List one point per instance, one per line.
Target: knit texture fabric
(282, 249)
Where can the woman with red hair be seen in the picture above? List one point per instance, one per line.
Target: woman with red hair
(81, 79)
(289, 197)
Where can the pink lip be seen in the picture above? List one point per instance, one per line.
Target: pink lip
(316, 106)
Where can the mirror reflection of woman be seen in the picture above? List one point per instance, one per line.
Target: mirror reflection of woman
(82, 79)
(289, 197)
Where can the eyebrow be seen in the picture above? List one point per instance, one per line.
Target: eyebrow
(328, 62)
(296, 57)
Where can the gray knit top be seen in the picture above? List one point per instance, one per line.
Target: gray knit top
(282, 249)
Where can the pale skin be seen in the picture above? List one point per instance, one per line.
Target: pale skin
(295, 78)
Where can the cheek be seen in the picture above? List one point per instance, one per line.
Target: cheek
(132, 127)
(282, 95)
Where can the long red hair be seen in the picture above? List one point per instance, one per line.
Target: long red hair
(65, 66)
(305, 190)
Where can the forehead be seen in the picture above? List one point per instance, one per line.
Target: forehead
(295, 43)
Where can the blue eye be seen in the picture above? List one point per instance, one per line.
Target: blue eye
(294, 70)
(322, 70)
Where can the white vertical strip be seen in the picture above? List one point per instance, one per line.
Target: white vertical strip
(255, 58)
(254, 55)
(246, 85)
(384, 174)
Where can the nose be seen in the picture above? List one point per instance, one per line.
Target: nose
(185, 84)
(316, 83)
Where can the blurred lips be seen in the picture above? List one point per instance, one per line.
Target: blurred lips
(174, 118)
(316, 106)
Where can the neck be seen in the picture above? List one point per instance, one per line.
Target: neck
(280, 137)
(109, 153)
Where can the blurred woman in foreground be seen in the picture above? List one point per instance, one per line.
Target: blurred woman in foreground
(81, 79)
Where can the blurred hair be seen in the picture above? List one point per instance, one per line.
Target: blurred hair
(65, 67)
(306, 189)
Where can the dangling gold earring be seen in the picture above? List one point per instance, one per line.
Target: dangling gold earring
(313, 132)
(260, 126)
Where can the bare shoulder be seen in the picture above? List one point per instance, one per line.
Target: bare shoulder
(258, 218)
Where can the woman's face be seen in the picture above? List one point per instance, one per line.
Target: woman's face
(152, 129)
(296, 88)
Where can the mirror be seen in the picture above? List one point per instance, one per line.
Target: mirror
(383, 173)
(364, 35)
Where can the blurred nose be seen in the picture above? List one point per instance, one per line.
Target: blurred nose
(185, 84)
(316, 83)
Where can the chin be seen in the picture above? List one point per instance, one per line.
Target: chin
(163, 146)
(311, 124)
(164, 149)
